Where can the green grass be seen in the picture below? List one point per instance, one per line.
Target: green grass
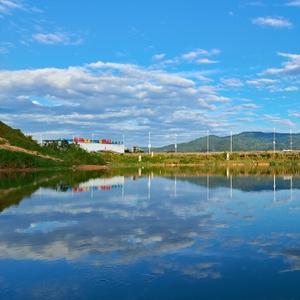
(166, 159)
(19, 160)
(16, 138)
(66, 155)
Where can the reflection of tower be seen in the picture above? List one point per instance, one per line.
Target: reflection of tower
(231, 186)
(175, 186)
(227, 172)
(123, 190)
(207, 187)
(228, 175)
(291, 187)
(274, 188)
(149, 187)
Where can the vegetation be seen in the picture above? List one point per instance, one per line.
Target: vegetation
(72, 154)
(20, 151)
(19, 160)
(16, 138)
(289, 159)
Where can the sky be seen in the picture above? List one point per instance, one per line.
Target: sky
(174, 68)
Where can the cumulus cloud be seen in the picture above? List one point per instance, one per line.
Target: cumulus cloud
(106, 96)
(276, 22)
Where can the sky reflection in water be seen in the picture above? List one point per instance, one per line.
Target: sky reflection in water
(147, 237)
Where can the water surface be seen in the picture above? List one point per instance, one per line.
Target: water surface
(149, 235)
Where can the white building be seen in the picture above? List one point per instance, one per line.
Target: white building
(95, 147)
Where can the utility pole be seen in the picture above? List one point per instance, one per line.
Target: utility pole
(92, 137)
(207, 142)
(291, 140)
(231, 142)
(175, 144)
(274, 141)
(149, 142)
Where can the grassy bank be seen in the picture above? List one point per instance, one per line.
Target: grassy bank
(263, 159)
(60, 158)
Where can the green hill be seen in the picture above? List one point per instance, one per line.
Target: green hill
(245, 141)
(20, 151)
(15, 137)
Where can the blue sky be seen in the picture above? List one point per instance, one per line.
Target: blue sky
(170, 67)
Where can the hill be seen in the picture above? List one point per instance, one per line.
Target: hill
(20, 151)
(245, 141)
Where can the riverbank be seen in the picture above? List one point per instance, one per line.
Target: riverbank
(259, 159)
(102, 161)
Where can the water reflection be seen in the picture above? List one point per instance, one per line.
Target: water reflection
(206, 233)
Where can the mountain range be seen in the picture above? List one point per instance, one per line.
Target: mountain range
(245, 141)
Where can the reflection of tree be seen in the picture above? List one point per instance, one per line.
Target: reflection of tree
(14, 187)
(112, 229)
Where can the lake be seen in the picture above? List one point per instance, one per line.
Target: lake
(149, 234)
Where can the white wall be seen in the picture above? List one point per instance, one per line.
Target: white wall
(90, 147)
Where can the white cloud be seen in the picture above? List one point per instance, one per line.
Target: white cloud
(276, 22)
(159, 57)
(261, 82)
(7, 6)
(232, 82)
(206, 61)
(105, 96)
(289, 68)
(197, 53)
(56, 38)
(295, 115)
(295, 3)
(287, 89)
(278, 120)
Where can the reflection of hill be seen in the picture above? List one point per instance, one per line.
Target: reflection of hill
(245, 183)
(16, 186)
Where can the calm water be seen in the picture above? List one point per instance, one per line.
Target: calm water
(149, 236)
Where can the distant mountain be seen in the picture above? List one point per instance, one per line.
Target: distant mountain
(245, 141)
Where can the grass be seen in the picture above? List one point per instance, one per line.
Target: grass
(19, 160)
(260, 158)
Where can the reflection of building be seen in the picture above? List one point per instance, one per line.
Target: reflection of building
(102, 184)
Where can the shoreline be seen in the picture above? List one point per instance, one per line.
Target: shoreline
(177, 160)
